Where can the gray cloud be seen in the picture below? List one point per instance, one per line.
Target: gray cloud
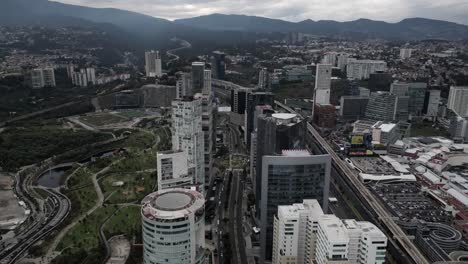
(294, 10)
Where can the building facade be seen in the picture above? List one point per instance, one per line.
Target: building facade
(173, 223)
(361, 69)
(218, 65)
(153, 64)
(323, 84)
(458, 100)
(381, 106)
(188, 136)
(290, 178)
(173, 170)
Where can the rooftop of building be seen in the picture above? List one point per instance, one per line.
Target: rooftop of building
(296, 153)
(172, 203)
(293, 211)
(284, 116)
(334, 229)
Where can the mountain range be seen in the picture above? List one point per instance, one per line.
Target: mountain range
(216, 28)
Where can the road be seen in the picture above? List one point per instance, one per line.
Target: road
(367, 199)
(185, 45)
(235, 218)
(56, 209)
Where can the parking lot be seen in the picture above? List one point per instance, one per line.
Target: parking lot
(373, 165)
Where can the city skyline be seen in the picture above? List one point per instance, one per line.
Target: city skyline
(295, 10)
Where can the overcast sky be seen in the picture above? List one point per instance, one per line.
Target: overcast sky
(295, 10)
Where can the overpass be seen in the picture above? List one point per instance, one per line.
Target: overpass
(368, 200)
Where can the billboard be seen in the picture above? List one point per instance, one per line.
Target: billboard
(357, 140)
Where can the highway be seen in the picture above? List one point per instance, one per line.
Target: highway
(235, 218)
(370, 202)
(56, 209)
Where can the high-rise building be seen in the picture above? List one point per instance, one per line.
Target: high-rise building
(322, 84)
(286, 179)
(303, 234)
(431, 104)
(198, 74)
(294, 233)
(255, 99)
(239, 99)
(276, 132)
(42, 77)
(218, 65)
(381, 106)
(353, 107)
(405, 53)
(458, 100)
(342, 61)
(417, 95)
(361, 69)
(380, 81)
(401, 109)
(183, 86)
(332, 240)
(458, 128)
(173, 223)
(330, 58)
(264, 81)
(70, 70)
(172, 169)
(367, 243)
(91, 75)
(399, 89)
(153, 64)
(188, 136)
(207, 124)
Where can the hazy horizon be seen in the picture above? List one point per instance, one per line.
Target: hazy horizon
(293, 10)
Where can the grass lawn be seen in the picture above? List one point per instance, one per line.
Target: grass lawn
(132, 114)
(427, 131)
(101, 119)
(136, 162)
(85, 235)
(80, 178)
(136, 186)
(82, 200)
(140, 140)
(126, 221)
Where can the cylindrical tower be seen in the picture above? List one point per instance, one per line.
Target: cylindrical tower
(174, 227)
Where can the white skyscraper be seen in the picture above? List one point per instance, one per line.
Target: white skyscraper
(42, 77)
(323, 84)
(173, 223)
(173, 171)
(433, 104)
(188, 135)
(153, 64)
(303, 234)
(207, 123)
(294, 233)
(91, 75)
(342, 61)
(405, 53)
(330, 58)
(332, 240)
(458, 100)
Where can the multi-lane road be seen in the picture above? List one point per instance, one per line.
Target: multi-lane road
(56, 209)
(368, 200)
